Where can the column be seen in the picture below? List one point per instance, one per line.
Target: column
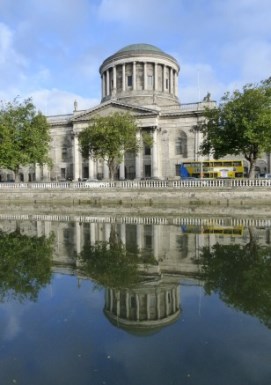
(176, 84)
(155, 77)
(106, 170)
(37, 172)
(156, 242)
(92, 233)
(75, 158)
(134, 75)
(145, 77)
(171, 80)
(107, 232)
(45, 172)
(78, 237)
(164, 78)
(103, 85)
(139, 237)
(123, 78)
(114, 80)
(122, 169)
(138, 159)
(91, 168)
(107, 83)
(154, 154)
(123, 233)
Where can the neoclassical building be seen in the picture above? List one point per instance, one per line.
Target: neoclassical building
(143, 80)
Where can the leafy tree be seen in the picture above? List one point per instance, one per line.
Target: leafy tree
(24, 135)
(109, 137)
(111, 264)
(241, 124)
(25, 265)
(241, 276)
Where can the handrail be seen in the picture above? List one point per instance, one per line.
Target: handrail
(142, 184)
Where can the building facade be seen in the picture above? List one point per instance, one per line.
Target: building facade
(143, 80)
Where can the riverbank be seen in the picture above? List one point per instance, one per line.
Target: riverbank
(193, 197)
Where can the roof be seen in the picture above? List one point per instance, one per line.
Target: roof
(139, 48)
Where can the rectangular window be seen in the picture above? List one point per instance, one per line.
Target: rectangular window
(147, 150)
(64, 154)
(147, 170)
(150, 81)
(129, 80)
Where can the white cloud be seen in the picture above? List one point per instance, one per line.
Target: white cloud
(55, 101)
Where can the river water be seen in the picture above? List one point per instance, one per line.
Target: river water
(98, 300)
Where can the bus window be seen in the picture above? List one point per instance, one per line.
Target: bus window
(236, 163)
(227, 164)
(217, 164)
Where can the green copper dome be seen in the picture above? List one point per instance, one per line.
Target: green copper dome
(140, 47)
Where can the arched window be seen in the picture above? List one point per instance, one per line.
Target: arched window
(181, 144)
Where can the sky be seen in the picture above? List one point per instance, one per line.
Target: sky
(51, 50)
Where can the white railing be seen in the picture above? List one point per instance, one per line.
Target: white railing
(139, 184)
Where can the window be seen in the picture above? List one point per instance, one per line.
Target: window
(147, 150)
(181, 145)
(147, 170)
(64, 154)
(129, 80)
(150, 81)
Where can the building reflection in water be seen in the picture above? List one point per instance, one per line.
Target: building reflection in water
(147, 307)
(174, 245)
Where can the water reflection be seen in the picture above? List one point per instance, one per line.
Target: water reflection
(113, 280)
(25, 265)
(241, 275)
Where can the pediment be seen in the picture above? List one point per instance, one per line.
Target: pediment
(110, 107)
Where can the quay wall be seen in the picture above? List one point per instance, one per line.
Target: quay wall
(192, 197)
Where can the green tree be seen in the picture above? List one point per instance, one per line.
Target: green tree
(241, 124)
(25, 265)
(111, 264)
(241, 276)
(24, 135)
(109, 137)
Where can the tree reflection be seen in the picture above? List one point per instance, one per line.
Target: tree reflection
(111, 264)
(25, 265)
(241, 276)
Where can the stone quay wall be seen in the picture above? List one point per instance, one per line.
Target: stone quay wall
(163, 197)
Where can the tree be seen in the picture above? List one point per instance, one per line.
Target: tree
(240, 274)
(109, 137)
(24, 135)
(241, 124)
(25, 265)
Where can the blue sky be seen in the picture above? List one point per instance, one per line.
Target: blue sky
(51, 50)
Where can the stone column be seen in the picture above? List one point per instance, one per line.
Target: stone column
(145, 77)
(123, 233)
(164, 78)
(114, 81)
(123, 78)
(154, 154)
(139, 237)
(122, 169)
(91, 168)
(103, 85)
(156, 242)
(107, 83)
(45, 172)
(155, 77)
(171, 81)
(37, 172)
(176, 84)
(78, 237)
(106, 170)
(75, 158)
(92, 234)
(138, 159)
(134, 75)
